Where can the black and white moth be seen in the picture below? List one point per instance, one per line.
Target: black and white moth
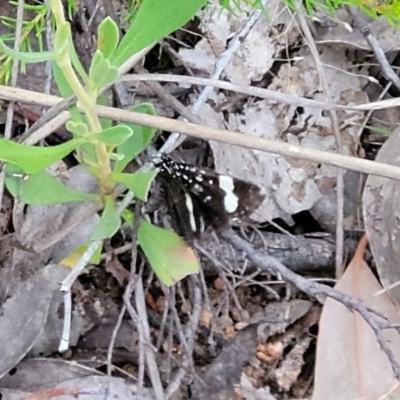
(199, 198)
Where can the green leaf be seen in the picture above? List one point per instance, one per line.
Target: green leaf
(97, 58)
(73, 259)
(170, 257)
(42, 188)
(139, 183)
(127, 215)
(26, 56)
(113, 136)
(116, 157)
(137, 142)
(109, 222)
(77, 128)
(77, 64)
(34, 159)
(104, 122)
(108, 37)
(102, 73)
(62, 39)
(66, 91)
(154, 20)
(87, 148)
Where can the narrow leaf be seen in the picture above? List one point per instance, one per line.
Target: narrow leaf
(152, 22)
(72, 259)
(109, 222)
(137, 142)
(170, 257)
(139, 183)
(26, 56)
(33, 159)
(62, 39)
(65, 90)
(41, 188)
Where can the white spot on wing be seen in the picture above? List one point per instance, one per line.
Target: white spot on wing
(231, 201)
(189, 205)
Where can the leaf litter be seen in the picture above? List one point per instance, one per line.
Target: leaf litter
(249, 344)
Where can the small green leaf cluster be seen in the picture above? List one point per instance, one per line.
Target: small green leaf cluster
(35, 25)
(103, 148)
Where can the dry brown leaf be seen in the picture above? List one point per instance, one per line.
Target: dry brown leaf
(94, 387)
(24, 315)
(381, 210)
(350, 363)
(43, 373)
(205, 317)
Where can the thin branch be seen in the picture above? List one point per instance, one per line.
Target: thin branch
(208, 133)
(376, 48)
(315, 290)
(261, 93)
(176, 138)
(335, 125)
(190, 334)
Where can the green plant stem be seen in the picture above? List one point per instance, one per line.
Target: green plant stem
(88, 101)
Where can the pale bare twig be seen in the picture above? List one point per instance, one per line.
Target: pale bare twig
(208, 133)
(190, 335)
(205, 132)
(335, 125)
(262, 93)
(175, 138)
(168, 99)
(387, 70)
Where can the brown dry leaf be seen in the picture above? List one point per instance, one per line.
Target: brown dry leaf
(24, 315)
(271, 352)
(43, 373)
(205, 317)
(93, 388)
(114, 266)
(350, 363)
(151, 301)
(219, 284)
(381, 210)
